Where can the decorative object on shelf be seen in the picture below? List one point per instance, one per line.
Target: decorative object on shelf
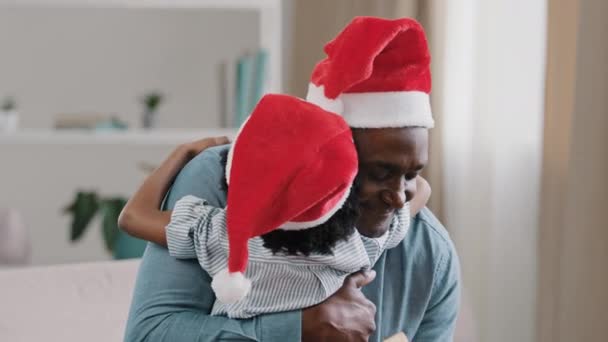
(112, 124)
(151, 102)
(259, 78)
(15, 244)
(9, 117)
(88, 121)
(244, 82)
(226, 92)
(251, 70)
(86, 206)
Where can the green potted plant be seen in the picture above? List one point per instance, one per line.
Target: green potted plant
(86, 206)
(151, 102)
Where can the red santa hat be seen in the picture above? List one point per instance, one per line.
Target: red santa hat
(376, 74)
(290, 167)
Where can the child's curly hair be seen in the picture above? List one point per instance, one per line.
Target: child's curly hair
(317, 240)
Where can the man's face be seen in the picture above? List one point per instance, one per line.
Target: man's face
(389, 161)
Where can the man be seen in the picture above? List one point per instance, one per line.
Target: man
(377, 76)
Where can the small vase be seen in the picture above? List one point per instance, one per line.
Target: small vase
(149, 119)
(15, 245)
(9, 121)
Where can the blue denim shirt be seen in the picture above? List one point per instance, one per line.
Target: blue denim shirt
(416, 290)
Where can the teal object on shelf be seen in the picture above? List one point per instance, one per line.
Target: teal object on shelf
(113, 124)
(259, 78)
(251, 77)
(128, 247)
(244, 82)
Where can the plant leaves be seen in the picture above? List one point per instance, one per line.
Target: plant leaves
(110, 210)
(152, 101)
(83, 210)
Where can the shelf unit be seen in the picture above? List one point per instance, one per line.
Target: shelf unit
(42, 168)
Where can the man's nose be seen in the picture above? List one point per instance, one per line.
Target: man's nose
(394, 199)
(399, 193)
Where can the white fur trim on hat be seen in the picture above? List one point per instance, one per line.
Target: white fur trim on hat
(378, 109)
(309, 224)
(316, 95)
(230, 287)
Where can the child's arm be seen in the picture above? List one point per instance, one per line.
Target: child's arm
(141, 216)
(423, 193)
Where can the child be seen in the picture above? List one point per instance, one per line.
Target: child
(289, 224)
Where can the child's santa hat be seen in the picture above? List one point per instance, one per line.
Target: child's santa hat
(376, 74)
(290, 167)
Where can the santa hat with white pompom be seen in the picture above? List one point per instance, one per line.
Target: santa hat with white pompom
(290, 167)
(376, 74)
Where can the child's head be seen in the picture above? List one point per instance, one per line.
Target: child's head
(319, 239)
(290, 173)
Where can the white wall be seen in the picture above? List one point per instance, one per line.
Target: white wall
(493, 98)
(101, 60)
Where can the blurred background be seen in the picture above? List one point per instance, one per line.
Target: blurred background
(95, 93)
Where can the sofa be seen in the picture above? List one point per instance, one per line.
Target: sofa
(74, 302)
(84, 302)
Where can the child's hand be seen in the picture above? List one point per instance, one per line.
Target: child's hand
(192, 149)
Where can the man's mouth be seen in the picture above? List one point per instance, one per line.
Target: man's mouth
(386, 214)
(381, 213)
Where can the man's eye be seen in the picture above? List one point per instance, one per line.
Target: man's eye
(380, 175)
(411, 175)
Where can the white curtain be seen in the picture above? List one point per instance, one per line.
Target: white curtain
(491, 98)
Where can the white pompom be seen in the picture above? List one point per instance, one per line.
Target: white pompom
(230, 287)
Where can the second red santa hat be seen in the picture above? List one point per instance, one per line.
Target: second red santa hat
(376, 74)
(291, 167)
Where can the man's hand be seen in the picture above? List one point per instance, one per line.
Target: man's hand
(345, 316)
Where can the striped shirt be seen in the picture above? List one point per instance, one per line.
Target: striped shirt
(279, 282)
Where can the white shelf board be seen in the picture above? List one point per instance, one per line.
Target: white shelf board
(192, 4)
(132, 137)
